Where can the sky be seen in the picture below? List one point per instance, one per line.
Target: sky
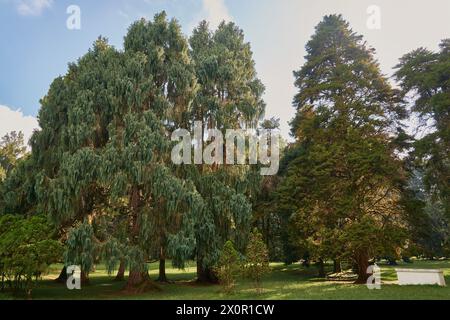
(36, 44)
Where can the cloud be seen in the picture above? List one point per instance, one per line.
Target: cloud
(32, 7)
(213, 11)
(15, 120)
(216, 12)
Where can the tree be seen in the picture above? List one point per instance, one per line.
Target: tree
(104, 144)
(229, 97)
(424, 76)
(265, 216)
(80, 249)
(228, 267)
(342, 188)
(256, 259)
(73, 118)
(427, 224)
(27, 249)
(12, 148)
(167, 62)
(266, 219)
(16, 176)
(17, 191)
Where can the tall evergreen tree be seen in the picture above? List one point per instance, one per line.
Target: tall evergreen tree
(105, 141)
(169, 66)
(425, 76)
(229, 97)
(73, 118)
(342, 190)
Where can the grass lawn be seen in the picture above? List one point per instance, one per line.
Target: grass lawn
(284, 282)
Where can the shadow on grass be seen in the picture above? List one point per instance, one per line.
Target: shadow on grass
(284, 282)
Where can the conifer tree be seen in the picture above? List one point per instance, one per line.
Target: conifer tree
(342, 189)
(424, 75)
(229, 97)
(66, 151)
(256, 259)
(105, 141)
(228, 266)
(137, 158)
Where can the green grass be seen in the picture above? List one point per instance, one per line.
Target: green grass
(284, 282)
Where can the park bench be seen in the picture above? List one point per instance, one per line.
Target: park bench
(420, 277)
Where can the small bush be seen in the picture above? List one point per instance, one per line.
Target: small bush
(229, 267)
(257, 259)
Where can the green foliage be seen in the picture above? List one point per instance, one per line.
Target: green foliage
(228, 267)
(428, 227)
(80, 247)
(256, 259)
(424, 75)
(340, 196)
(267, 219)
(104, 144)
(229, 96)
(17, 192)
(26, 250)
(12, 148)
(16, 178)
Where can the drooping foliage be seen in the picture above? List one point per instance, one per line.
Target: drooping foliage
(169, 70)
(229, 97)
(81, 248)
(425, 78)
(105, 143)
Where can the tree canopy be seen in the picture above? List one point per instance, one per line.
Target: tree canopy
(342, 188)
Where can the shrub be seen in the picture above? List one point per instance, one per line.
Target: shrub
(257, 259)
(26, 251)
(229, 266)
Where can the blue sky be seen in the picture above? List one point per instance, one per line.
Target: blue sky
(36, 44)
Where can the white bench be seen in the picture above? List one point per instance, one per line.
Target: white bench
(420, 277)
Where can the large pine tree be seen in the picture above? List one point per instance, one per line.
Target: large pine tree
(229, 97)
(105, 144)
(342, 188)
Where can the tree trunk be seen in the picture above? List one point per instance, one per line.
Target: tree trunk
(138, 282)
(62, 278)
(84, 277)
(205, 275)
(306, 263)
(121, 272)
(337, 266)
(321, 267)
(362, 260)
(3, 282)
(162, 266)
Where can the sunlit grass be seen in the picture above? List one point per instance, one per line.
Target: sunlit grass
(284, 282)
